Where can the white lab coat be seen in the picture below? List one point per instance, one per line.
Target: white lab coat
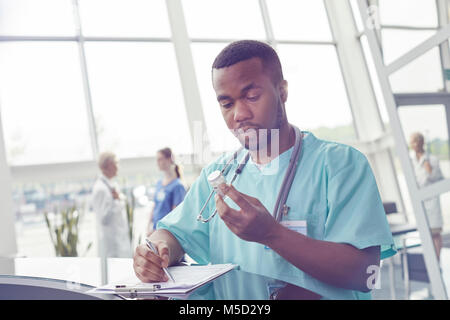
(433, 205)
(112, 225)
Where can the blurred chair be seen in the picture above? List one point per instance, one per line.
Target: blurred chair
(397, 229)
(413, 264)
(390, 208)
(399, 232)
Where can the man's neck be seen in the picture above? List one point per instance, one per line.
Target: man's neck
(106, 176)
(419, 154)
(286, 141)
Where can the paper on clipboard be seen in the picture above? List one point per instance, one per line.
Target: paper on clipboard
(186, 279)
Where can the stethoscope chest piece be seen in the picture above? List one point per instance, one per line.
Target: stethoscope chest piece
(285, 210)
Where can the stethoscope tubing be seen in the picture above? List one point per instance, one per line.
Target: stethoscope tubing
(289, 177)
(285, 186)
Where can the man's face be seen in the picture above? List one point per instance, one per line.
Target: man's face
(111, 168)
(249, 100)
(415, 144)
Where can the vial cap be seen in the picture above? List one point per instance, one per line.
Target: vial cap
(216, 178)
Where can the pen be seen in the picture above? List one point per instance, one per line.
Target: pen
(151, 247)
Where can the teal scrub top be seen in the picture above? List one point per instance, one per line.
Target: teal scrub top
(237, 285)
(334, 190)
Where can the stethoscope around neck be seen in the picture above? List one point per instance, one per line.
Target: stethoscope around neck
(280, 208)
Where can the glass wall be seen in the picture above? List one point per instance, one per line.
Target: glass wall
(300, 32)
(81, 77)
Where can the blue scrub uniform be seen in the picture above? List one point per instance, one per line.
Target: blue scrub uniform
(166, 197)
(334, 191)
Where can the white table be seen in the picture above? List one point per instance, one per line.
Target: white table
(79, 270)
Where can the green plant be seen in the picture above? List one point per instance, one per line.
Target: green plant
(130, 204)
(64, 231)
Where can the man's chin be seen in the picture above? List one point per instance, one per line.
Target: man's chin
(254, 141)
(251, 146)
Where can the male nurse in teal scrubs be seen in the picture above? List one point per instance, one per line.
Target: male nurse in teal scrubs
(334, 193)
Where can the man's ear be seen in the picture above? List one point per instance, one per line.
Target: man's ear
(283, 90)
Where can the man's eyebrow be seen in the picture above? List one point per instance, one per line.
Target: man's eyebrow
(222, 97)
(243, 90)
(249, 87)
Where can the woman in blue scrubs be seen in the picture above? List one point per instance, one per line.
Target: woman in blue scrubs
(169, 191)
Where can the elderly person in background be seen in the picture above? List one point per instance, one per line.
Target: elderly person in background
(112, 229)
(426, 167)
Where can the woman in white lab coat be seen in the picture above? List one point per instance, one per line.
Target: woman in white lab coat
(426, 167)
(109, 208)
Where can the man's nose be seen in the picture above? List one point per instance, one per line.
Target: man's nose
(242, 112)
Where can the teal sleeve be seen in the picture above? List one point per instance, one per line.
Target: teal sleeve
(355, 211)
(182, 222)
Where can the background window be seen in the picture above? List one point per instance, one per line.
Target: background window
(42, 103)
(220, 137)
(317, 96)
(231, 19)
(374, 79)
(397, 42)
(423, 74)
(137, 98)
(299, 20)
(136, 18)
(31, 17)
(415, 13)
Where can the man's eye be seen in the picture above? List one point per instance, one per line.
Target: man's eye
(253, 98)
(226, 105)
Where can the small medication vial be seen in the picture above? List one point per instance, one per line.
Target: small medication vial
(215, 179)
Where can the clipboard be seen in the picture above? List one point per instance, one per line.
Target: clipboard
(187, 278)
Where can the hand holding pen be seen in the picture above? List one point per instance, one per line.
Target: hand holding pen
(150, 260)
(151, 247)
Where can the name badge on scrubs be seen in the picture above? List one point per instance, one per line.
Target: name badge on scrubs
(296, 225)
(299, 226)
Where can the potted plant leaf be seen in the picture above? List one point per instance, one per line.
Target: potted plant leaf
(64, 231)
(130, 202)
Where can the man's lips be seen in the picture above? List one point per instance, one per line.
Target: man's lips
(245, 129)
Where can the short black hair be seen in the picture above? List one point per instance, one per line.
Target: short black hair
(246, 49)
